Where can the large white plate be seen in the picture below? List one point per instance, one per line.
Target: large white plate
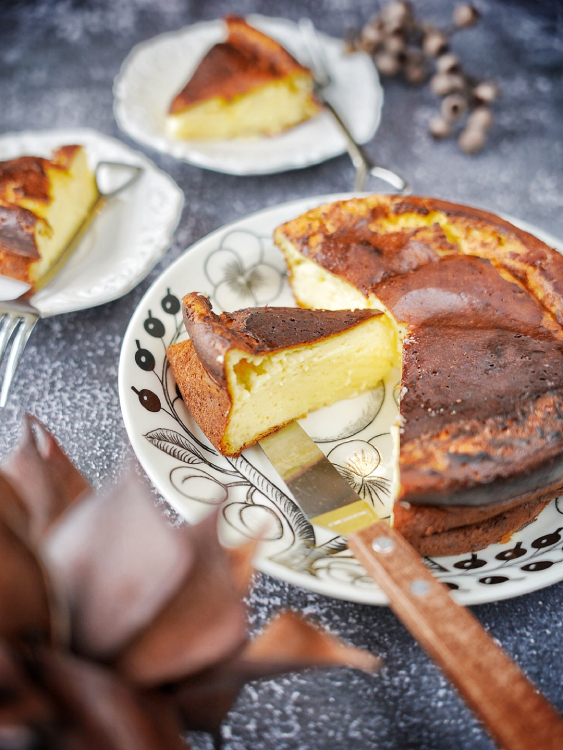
(123, 243)
(156, 70)
(239, 266)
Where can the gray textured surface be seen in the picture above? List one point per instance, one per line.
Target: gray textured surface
(57, 64)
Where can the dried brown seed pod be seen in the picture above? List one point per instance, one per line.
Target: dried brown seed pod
(372, 35)
(415, 74)
(447, 83)
(472, 140)
(486, 92)
(481, 118)
(397, 15)
(439, 128)
(453, 107)
(395, 43)
(352, 40)
(434, 43)
(387, 63)
(448, 63)
(465, 15)
(414, 56)
(415, 67)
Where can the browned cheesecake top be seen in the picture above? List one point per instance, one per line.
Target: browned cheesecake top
(483, 416)
(366, 240)
(259, 330)
(482, 385)
(467, 292)
(22, 179)
(246, 59)
(451, 374)
(26, 176)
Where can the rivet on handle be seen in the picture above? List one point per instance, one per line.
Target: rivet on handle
(382, 544)
(420, 587)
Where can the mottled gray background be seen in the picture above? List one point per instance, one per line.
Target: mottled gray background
(58, 62)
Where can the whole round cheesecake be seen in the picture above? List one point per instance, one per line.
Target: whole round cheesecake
(477, 305)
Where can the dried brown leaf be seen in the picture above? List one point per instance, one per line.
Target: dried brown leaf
(287, 644)
(289, 639)
(44, 477)
(240, 561)
(12, 508)
(21, 702)
(118, 561)
(26, 609)
(204, 623)
(98, 711)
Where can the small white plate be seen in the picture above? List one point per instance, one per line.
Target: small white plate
(124, 242)
(156, 70)
(239, 266)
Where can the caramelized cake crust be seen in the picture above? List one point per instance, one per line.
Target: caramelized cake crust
(245, 60)
(244, 374)
(478, 304)
(42, 204)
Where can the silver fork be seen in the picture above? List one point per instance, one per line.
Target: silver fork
(321, 73)
(18, 317)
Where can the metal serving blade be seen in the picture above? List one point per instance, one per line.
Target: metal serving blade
(323, 494)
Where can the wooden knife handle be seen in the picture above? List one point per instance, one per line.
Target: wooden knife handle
(509, 705)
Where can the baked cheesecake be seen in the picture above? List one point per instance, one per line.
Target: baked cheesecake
(245, 374)
(43, 202)
(477, 306)
(248, 85)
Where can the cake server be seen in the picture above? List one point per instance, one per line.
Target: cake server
(321, 73)
(517, 716)
(18, 317)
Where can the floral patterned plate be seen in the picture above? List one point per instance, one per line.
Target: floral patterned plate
(239, 266)
(155, 70)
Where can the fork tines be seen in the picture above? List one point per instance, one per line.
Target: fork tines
(15, 325)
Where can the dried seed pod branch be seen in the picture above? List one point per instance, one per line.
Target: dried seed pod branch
(154, 638)
(400, 43)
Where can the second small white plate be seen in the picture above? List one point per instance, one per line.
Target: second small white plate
(122, 244)
(156, 70)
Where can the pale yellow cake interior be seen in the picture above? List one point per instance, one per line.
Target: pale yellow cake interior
(266, 110)
(318, 289)
(263, 388)
(72, 192)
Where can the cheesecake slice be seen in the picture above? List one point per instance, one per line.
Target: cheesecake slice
(247, 373)
(43, 202)
(248, 85)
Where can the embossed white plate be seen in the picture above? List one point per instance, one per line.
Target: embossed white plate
(156, 70)
(126, 239)
(239, 266)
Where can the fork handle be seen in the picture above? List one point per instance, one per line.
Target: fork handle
(509, 705)
(362, 162)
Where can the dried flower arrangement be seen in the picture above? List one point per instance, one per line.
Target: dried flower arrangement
(118, 630)
(401, 43)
